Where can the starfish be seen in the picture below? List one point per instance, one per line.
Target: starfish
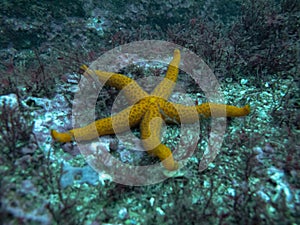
(145, 109)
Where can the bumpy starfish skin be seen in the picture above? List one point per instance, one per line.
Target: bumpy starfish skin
(133, 92)
(148, 110)
(165, 87)
(150, 133)
(178, 113)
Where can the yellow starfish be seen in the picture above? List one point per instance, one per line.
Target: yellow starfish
(145, 108)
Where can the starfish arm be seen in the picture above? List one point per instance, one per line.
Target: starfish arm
(221, 110)
(165, 155)
(166, 86)
(132, 91)
(150, 134)
(177, 113)
(117, 123)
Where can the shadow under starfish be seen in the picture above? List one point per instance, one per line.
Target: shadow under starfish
(144, 109)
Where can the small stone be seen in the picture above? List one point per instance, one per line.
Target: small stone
(123, 213)
(160, 211)
(152, 200)
(244, 81)
(229, 80)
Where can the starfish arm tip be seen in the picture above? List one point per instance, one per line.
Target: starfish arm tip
(247, 109)
(83, 67)
(176, 51)
(170, 164)
(61, 137)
